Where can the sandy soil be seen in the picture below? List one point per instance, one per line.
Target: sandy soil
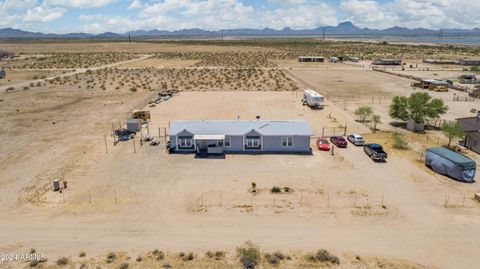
(132, 198)
(195, 204)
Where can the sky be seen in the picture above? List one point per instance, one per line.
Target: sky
(120, 16)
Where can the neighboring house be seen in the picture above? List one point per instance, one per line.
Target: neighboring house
(387, 62)
(311, 59)
(240, 136)
(471, 128)
(469, 62)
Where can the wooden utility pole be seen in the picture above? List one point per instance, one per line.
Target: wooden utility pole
(134, 147)
(105, 139)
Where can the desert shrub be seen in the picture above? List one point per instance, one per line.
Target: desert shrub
(133, 89)
(33, 263)
(249, 255)
(188, 257)
(272, 259)
(286, 189)
(82, 254)
(276, 189)
(9, 89)
(217, 255)
(399, 141)
(158, 254)
(32, 251)
(323, 256)
(111, 257)
(123, 266)
(62, 261)
(139, 259)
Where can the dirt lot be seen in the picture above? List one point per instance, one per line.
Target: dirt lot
(131, 198)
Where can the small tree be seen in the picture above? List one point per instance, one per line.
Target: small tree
(376, 120)
(399, 141)
(418, 106)
(452, 130)
(363, 112)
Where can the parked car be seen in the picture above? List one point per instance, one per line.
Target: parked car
(323, 144)
(339, 141)
(356, 139)
(375, 152)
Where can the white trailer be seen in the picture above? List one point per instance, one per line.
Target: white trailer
(312, 98)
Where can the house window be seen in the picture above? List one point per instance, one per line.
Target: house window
(185, 142)
(252, 142)
(227, 141)
(287, 141)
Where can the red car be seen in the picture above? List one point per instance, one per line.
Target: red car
(323, 144)
(339, 141)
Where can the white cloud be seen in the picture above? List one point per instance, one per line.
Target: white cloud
(18, 4)
(42, 14)
(78, 3)
(413, 13)
(135, 4)
(300, 17)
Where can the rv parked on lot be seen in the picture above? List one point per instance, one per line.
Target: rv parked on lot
(313, 98)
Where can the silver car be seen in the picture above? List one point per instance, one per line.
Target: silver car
(356, 139)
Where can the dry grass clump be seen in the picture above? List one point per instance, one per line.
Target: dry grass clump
(66, 60)
(62, 261)
(150, 79)
(230, 59)
(323, 256)
(249, 255)
(216, 255)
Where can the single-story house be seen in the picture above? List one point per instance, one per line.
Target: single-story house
(387, 62)
(469, 62)
(471, 127)
(434, 61)
(450, 163)
(311, 59)
(240, 136)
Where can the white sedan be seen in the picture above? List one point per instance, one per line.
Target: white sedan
(356, 139)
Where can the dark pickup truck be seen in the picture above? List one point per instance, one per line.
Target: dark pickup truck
(375, 152)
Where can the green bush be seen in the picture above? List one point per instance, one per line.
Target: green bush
(399, 141)
(275, 189)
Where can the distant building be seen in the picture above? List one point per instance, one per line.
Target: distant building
(432, 61)
(432, 83)
(311, 59)
(3, 73)
(240, 136)
(387, 62)
(469, 62)
(471, 128)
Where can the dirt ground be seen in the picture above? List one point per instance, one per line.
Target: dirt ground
(130, 198)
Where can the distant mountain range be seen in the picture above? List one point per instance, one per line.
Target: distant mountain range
(344, 29)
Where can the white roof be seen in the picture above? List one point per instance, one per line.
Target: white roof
(208, 137)
(241, 127)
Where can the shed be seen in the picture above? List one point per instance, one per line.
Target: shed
(134, 125)
(450, 163)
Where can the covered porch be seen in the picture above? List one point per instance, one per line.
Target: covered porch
(209, 144)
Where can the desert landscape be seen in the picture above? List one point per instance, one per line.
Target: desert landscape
(129, 204)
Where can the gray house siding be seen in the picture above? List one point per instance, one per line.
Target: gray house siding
(274, 144)
(236, 144)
